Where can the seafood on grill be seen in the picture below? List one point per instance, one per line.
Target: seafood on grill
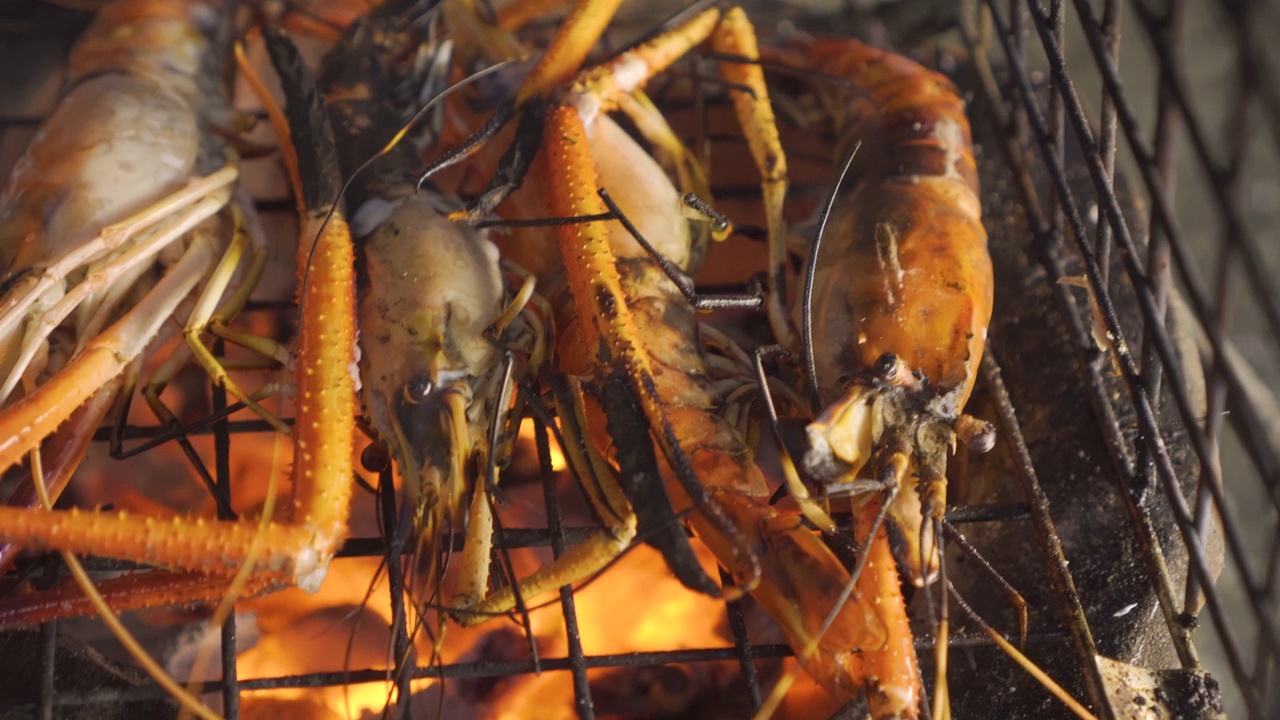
(130, 166)
(635, 387)
(433, 309)
(130, 173)
(893, 314)
(902, 289)
(896, 304)
(125, 173)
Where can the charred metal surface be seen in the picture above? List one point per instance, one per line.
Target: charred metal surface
(77, 668)
(1058, 386)
(1138, 693)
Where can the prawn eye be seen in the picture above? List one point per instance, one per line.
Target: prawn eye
(418, 389)
(375, 458)
(887, 367)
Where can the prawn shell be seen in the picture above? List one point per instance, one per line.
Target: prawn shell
(131, 127)
(914, 279)
(905, 266)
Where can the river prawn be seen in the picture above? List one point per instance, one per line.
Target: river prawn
(631, 356)
(426, 328)
(432, 330)
(893, 313)
(435, 317)
(172, 60)
(901, 292)
(130, 164)
(126, 165)
(895, 307)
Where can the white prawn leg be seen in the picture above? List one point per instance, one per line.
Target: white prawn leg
(34, 417)
(102, 278)
(17, 303)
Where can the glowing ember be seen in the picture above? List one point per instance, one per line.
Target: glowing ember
(558, 463)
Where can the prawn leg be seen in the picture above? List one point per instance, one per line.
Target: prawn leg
(595, 283)
(799, 581)
(28, 421)
(632, 328)
(296, 552)
(155, 588)
(589, 260)
(582, 560)
(168, 220)
(631, 359)
(736, 37)
(207, 315)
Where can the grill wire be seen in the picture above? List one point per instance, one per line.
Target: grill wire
(1032, 61)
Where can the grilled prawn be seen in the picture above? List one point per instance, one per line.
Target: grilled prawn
(630, 346)
(902, 289)
(431, 300)
(128, 165)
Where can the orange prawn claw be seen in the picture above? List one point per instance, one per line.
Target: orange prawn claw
(627, 323)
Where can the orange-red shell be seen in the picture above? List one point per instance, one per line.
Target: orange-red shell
(904, 265)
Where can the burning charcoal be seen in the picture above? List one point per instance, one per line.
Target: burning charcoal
(197, 646)
(502, 645)
(672, 690)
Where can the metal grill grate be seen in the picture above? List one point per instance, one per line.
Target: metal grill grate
(1032, 32)
(1157, 442)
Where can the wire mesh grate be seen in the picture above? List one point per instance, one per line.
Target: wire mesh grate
(1177, 284)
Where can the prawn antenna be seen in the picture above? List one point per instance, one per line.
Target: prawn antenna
(395, 140)
(489, 489)
(404, 652)
(785, 69)
(695, 207)
(811, 269)
(476, 140)
(546, 221)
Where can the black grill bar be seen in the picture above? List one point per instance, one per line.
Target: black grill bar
(577, 660)
(48, 650)
(1236, 238)
(1218, 172)
(1243, 18)
(1224, 182)
(1109, 28)
(742, 648)
(1230, 382)
(394, 549)
(1107, 423)
(1150, 429)
(499, 669)
(222, 469)
(1051, 547)
(1153, 174)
